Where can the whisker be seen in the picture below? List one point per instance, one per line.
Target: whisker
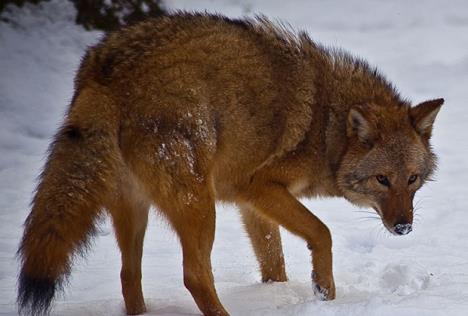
(376, 231)
(379, 231)
(363, 219)
(367, 212)
(386, 233)
(417, 203)
(416, 214)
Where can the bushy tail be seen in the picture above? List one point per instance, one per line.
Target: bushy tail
(80, 172)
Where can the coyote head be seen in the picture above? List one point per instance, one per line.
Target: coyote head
(388, 159)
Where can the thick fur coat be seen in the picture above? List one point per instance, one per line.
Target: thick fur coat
(186, 109)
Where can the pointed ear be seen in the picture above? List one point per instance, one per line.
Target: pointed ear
(423, 116)
(359, 124)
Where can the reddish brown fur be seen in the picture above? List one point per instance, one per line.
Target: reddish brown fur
(184, 110)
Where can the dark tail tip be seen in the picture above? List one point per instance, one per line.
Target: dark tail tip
(35, 295)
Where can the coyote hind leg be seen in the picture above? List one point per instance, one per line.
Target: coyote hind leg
(130, 216)
(194, 223)
(266, 241)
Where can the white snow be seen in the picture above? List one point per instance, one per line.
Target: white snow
(422, 46)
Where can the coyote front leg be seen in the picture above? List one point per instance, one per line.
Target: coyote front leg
(275, 202)
(266, 241)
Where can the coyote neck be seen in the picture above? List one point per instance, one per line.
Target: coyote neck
(346, 81)
(341, 82)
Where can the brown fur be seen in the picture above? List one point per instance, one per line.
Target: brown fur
(184, 110)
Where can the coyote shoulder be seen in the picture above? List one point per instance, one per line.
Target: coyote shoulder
(187, 109)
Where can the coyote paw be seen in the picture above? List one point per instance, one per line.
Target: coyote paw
(324, 288)
(136, 310)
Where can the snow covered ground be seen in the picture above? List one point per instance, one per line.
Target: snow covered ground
(423, 48)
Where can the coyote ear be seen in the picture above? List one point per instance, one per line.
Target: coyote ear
(423, 116)
(360, 125)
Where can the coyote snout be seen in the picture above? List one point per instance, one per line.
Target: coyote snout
(399, 225)
(397, 212)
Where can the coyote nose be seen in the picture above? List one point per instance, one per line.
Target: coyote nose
(402, 229)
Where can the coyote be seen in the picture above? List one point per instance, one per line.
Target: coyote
(187, 109)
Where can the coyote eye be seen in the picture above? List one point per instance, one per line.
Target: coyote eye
(383, 180)
(412, 179)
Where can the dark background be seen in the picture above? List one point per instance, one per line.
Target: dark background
(101, 14)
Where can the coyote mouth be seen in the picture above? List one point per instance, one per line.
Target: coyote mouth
(397, 230)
